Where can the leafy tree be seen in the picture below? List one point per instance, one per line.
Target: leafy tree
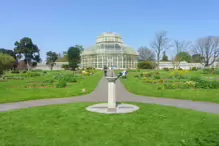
(181, 56)
(146, 54)
(197, 58)
(26, 48)
(184, 56)
(6, 62)
(80, 47)
(62, 57)
(165, 57)
(51, 59)
(11, 53)
(74, 57)
(180, 49)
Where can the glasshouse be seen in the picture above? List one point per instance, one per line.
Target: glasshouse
(109, 50)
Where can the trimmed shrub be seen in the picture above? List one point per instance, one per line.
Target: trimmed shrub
(90, 68)
(58, 76)
(68, 77)
(157, 77)
(72, 79)
(146, 65)
(48, 81)
(137, 76)
(147, 74)
(195, 78)
(159, 88)
(61, 84)
(216, 71)
(65, 66)
(194, 69)
(32, 74)
(161, 81)
(208, 71)
(207, 84)
(166, 69)
(170, 86)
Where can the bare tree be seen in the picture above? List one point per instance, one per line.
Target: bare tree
(146, 54)
(180, 46)
(208, 48)
(160, 44)
(176, 61)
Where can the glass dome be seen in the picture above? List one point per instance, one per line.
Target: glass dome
(110, 51)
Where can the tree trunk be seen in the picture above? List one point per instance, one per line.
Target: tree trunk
(51, 67)
(158, 61)
(28, 68)
(158, 64)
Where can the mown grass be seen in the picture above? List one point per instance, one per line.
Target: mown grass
(72, 125)
(14, 90)
(139, 87)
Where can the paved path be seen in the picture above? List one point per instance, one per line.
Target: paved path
(100, 95)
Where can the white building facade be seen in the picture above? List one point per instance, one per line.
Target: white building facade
(185, 65)
(44, 66)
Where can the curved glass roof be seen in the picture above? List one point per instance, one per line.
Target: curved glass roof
(109, 43)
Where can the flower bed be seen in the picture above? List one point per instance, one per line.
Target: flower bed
(178, 79)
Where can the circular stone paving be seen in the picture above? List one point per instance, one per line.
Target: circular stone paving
(120, 109)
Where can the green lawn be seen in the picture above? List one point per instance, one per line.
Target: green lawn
(140, 87)
(72, 125)
(17, 90)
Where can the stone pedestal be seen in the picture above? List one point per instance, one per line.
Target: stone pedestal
(111, 107)
(111, 94)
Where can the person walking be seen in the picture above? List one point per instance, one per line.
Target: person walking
(105, 70)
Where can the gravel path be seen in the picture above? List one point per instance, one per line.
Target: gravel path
(100, 95)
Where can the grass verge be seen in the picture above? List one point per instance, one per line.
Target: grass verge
(71, 125)
(9, 92)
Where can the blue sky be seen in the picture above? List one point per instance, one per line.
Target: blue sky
(57, 24)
